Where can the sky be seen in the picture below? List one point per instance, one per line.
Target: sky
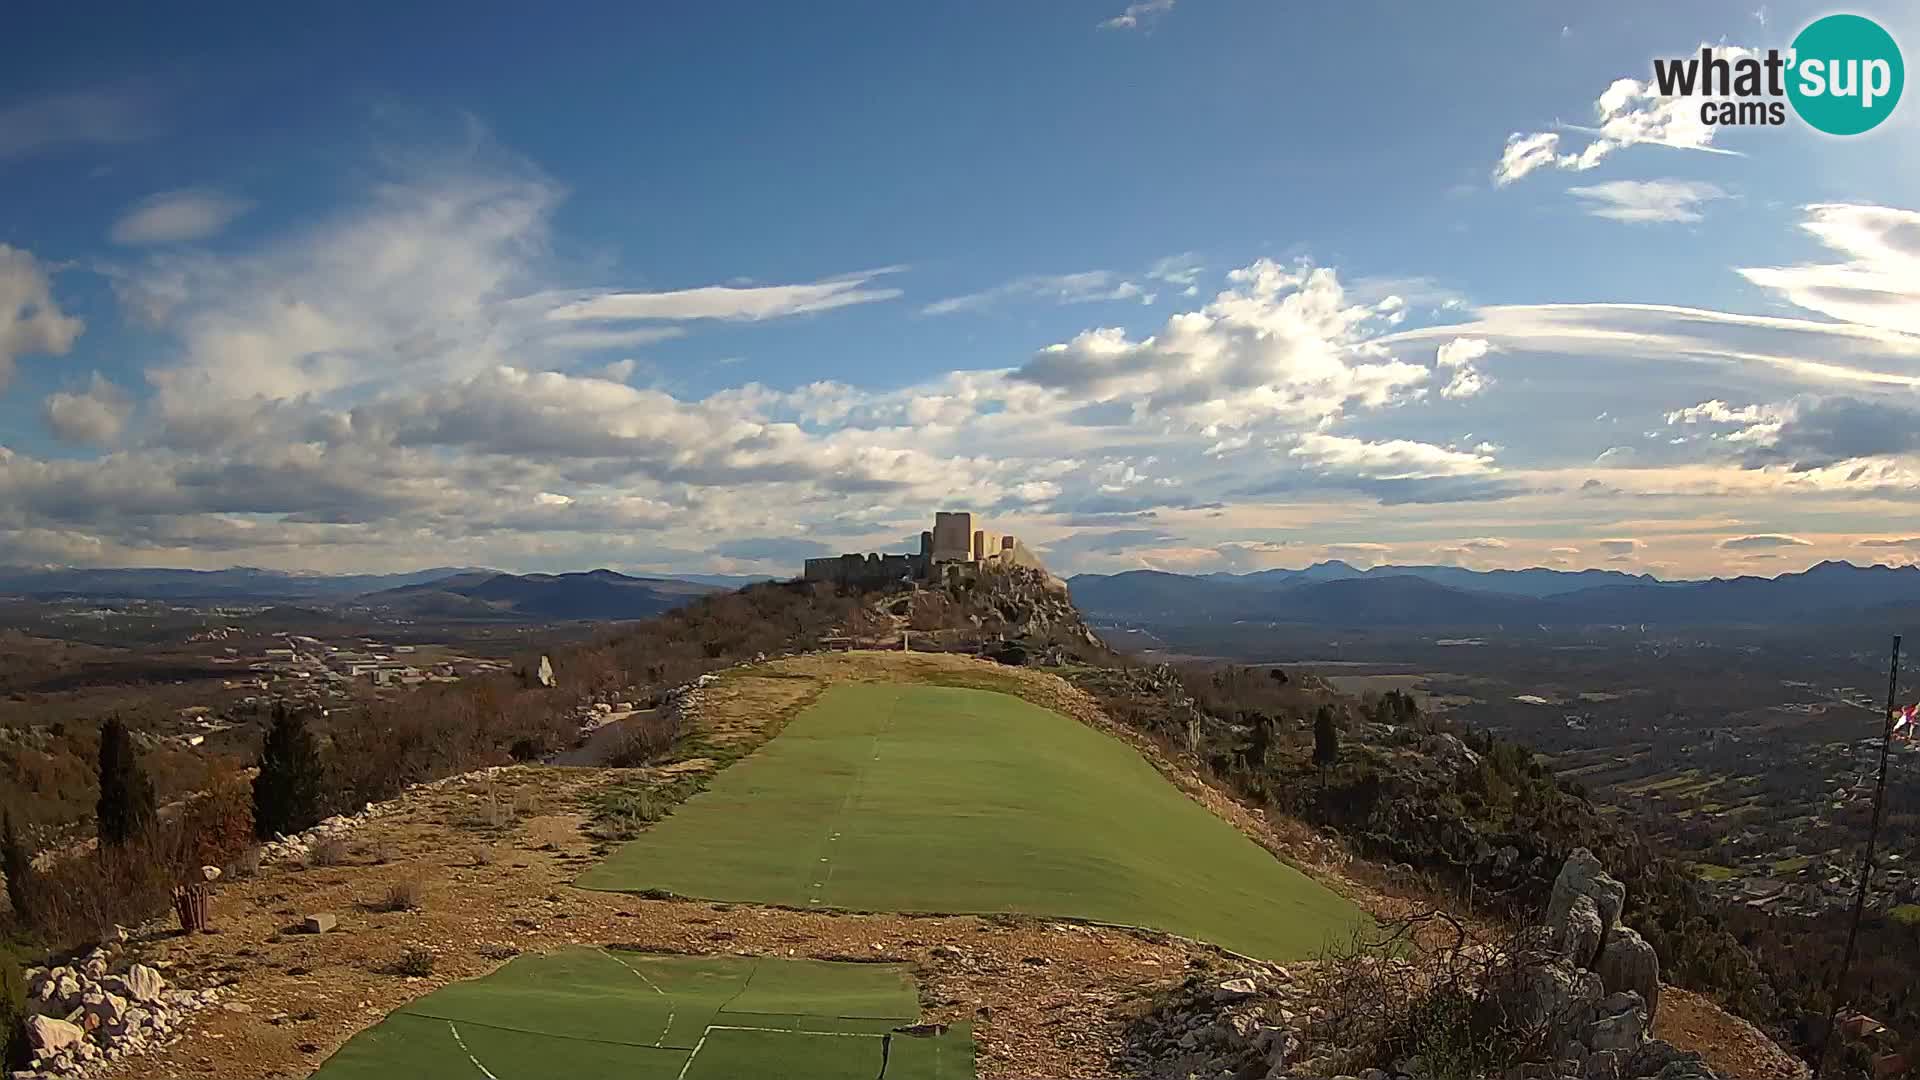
(1192, 285)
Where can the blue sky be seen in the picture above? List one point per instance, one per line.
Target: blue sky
(1177, 284)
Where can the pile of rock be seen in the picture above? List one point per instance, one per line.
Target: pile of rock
(84, 1015)
(1577, 995)
(289, 848)
(1214, 1026)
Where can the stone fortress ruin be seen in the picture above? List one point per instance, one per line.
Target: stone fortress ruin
(952, 548)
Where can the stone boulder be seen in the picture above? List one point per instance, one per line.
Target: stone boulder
(49, 1036)
(143, 984)
(1582, 875)
(1628, 963)
(1577, 936)
(1620, 1024)
(1553, 995)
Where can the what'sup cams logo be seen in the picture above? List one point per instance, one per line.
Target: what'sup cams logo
(1843, 75)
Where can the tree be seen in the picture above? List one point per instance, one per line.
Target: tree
(126, 795)
(1326, 738)
(286, 790)
(17, 863)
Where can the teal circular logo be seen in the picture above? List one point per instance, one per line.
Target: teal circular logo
(1846, 74)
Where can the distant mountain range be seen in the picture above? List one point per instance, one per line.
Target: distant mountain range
(487, 594)
(239, 583)
(441, 592)
(1337, 594)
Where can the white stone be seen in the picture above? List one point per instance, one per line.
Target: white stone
(50, 1036)
(144, 984)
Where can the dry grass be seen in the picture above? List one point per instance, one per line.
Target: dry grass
(405, 894)
(328, 851)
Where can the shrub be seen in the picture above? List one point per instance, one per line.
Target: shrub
(624, 813)
(126, 804)
(219, 822)
(406, 894)
(415, 962)
(327, 851)
(643, 739)
(287, 789)
(13, 1014)
(17, 863)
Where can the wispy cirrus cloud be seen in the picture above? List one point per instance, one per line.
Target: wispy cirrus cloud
(172, 217)
(1647, 201)
(80, 117)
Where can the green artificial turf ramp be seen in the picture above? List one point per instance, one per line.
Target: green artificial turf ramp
(585, 1013)
(936, 799)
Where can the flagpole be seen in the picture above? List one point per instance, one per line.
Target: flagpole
(1866, 864)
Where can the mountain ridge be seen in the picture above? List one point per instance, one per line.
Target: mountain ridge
(1335, 593)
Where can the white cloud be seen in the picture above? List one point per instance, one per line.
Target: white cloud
(1629, 113)
(1761, 541)
(94, 416)
(740, 303)
(30, 320)
(1137, 15)
(1644, 201)
(1459, 356)
(1393, 459)
(1087, 286)
(54, 120)
(1877, 285)
(173, 217)
(1284, 344)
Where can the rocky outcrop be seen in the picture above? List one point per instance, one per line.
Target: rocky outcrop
(1628, 963)
(1573, 998)
(98, 1010)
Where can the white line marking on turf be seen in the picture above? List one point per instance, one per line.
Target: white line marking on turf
(666, 1031)
(711, 1028)
(469, 1053)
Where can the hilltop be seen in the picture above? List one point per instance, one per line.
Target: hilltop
(1412, 815)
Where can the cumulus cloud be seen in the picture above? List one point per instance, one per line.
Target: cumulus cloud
(1458, 356)
(172, 217)
(1761, 542)
(30, 320)
(1392, 459)
(94, 416)
(1137, 15)
(1628, 113)
(1283, 344)
(1645, 201)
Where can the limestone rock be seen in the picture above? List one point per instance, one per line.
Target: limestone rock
(1656, 1056)
(1627, 962)
(1582, 875)
(1601, 1065)
(1235, 990)
(1620, 1026)
(49, 1036)
(319, 923)
(144, 984)
(1577, 936)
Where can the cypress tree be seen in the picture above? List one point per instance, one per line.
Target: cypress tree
(286, 791)
(126, 795)
(17, 863)
(1326, 738)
